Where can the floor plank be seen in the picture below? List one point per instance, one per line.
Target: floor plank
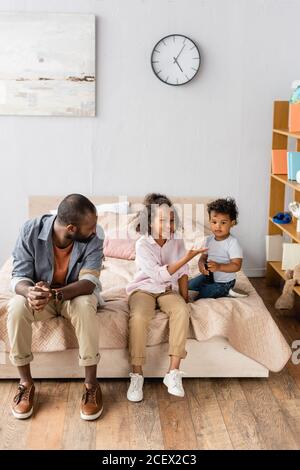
(6, 387)
(241, 425)
(112, 428)
(283, 385)
(210, 429)
(145, 426)
(238, 417)
(78, 434)
(176, 421)
(47, 424)
(228, 389)
(14, 432)
(291, 411)
(272, 424)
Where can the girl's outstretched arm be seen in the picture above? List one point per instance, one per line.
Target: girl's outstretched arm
(173, 267)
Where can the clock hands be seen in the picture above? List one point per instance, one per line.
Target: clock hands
(180, 52)
(175, 58)
(176, 62)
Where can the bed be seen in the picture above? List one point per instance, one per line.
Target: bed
(227, 338)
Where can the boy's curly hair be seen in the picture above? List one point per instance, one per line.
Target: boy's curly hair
(224, 206)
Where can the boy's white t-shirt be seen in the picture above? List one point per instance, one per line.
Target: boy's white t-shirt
(222, 251)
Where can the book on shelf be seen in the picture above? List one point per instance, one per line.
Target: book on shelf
(274, 247)
(290, 255)
(293, 164)
(279, 162)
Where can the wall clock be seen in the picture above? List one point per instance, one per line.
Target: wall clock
(175, 59)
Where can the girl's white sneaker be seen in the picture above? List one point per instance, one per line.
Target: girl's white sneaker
(135, 389)
(173, 381)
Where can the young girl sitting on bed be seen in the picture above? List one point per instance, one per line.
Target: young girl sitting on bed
(161, 280)
(224, 256)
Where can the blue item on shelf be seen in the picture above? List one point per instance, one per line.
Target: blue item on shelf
(282, 218)
(293, 164)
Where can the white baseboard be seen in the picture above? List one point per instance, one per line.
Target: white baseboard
(254, 272)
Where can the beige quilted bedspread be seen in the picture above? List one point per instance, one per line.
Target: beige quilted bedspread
(245, 322)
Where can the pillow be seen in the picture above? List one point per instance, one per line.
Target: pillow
(120, 235)
(115, 207)
(118, 226)
(122, 249)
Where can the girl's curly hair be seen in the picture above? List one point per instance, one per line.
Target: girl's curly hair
(146, 215)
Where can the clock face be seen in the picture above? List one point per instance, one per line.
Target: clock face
(175, 59)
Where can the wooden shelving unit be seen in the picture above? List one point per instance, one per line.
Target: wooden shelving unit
(278, 185)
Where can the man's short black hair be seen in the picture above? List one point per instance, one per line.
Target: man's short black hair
(73, 208)
(224, 206)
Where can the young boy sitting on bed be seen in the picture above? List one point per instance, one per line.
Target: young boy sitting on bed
(224, 256)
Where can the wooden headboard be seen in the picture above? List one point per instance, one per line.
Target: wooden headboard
(39, 205)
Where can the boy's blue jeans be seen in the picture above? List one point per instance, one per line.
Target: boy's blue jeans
(207, 290)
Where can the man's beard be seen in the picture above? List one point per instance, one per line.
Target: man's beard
(79, 238)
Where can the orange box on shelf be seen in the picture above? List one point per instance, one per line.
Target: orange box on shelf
(294, 117)
(279, 162)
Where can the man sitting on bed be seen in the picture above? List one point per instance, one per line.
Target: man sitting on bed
(56, 268)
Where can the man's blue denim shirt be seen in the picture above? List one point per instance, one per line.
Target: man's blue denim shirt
(33, 258)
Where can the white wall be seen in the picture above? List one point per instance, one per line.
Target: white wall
(211, 137)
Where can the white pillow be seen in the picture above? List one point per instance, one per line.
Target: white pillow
(115, 207)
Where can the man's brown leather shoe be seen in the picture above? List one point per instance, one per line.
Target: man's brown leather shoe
(91, 403)
(22, 407)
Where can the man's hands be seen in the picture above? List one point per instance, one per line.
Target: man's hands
(39, 295)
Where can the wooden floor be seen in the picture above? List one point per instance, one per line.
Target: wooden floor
(215, 414)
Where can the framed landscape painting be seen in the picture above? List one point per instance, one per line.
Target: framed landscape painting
(47, 64)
